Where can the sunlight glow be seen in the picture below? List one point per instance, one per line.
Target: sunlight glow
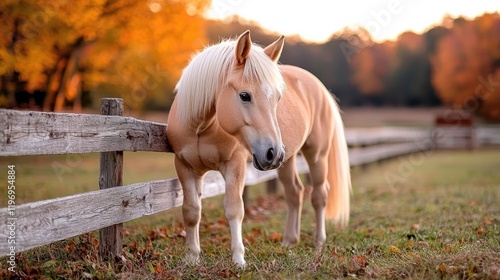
(155, 6)
(317, 20)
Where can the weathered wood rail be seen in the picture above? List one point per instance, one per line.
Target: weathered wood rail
(38, 133)
(44, 222)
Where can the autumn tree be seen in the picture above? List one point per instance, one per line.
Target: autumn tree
(409, 78)
(371, 68)
(465, 65)
(130, 48)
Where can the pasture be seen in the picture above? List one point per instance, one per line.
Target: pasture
(441, 221)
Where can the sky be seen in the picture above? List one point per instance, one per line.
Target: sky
(317, 20)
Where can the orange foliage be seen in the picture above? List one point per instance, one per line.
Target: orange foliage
(371, 68)
(464, 61)
(466, 65)
(66, 47)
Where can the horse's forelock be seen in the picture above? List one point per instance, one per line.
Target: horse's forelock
(260, 69)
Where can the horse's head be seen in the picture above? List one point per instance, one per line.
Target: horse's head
(247, 103)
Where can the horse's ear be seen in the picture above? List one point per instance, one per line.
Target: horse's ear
(274, 49)
(243, 47)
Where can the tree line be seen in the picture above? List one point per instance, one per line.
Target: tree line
(456, 64)
(65, 55)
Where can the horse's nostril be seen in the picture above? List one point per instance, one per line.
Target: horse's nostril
(270, 154)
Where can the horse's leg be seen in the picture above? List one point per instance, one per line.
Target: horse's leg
(318, 166)
(192, 187)
(234, 175)
(294, 193)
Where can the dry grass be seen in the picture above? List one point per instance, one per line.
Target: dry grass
(439, 220)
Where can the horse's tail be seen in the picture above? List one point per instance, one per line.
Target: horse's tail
(339, 175)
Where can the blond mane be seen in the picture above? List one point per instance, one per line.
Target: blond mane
(198, 85)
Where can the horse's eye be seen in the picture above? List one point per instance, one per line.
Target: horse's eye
(245, 97)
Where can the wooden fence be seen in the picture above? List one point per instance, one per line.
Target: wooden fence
(39, 133)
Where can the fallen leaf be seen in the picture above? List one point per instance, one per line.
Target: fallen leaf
(479, 230)
(70, 247)
(487, 222)
(452, 270)
(227, 273)
(334, 252)
(441, 267)
(132, 245)
(358, 262)
(447, 248)
(222, 221)
(249, 240)
(394, 249)
(158, 269)
(256, 231)
(274, 237)
(415, 227)
(163, 232)
(153, 235)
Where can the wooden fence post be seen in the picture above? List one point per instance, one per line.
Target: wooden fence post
(111, 171)
(272, 186)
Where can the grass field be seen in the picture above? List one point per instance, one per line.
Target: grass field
(427, 216)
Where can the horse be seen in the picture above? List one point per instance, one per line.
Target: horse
(234, 104)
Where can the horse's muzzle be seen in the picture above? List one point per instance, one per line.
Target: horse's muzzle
(270, 158)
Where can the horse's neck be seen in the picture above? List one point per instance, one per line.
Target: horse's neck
(210, 128)
(204, 124)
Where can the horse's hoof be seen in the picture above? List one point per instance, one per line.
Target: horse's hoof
(319, 244)
(192, 259)
(289, 243)
(240, 262)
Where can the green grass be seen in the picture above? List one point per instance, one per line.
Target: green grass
(426, 216)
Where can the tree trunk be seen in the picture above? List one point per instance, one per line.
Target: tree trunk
(11, 81)
(54, 83)
(66, 69)
(70, 82)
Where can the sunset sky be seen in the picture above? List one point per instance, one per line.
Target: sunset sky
(316, 20)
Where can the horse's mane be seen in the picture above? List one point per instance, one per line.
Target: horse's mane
(208, 69)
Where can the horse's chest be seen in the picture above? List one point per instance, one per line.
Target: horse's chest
(209, 155)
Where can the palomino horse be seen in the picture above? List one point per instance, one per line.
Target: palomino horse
(235, 104)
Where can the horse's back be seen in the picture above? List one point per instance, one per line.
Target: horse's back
(304, 87)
